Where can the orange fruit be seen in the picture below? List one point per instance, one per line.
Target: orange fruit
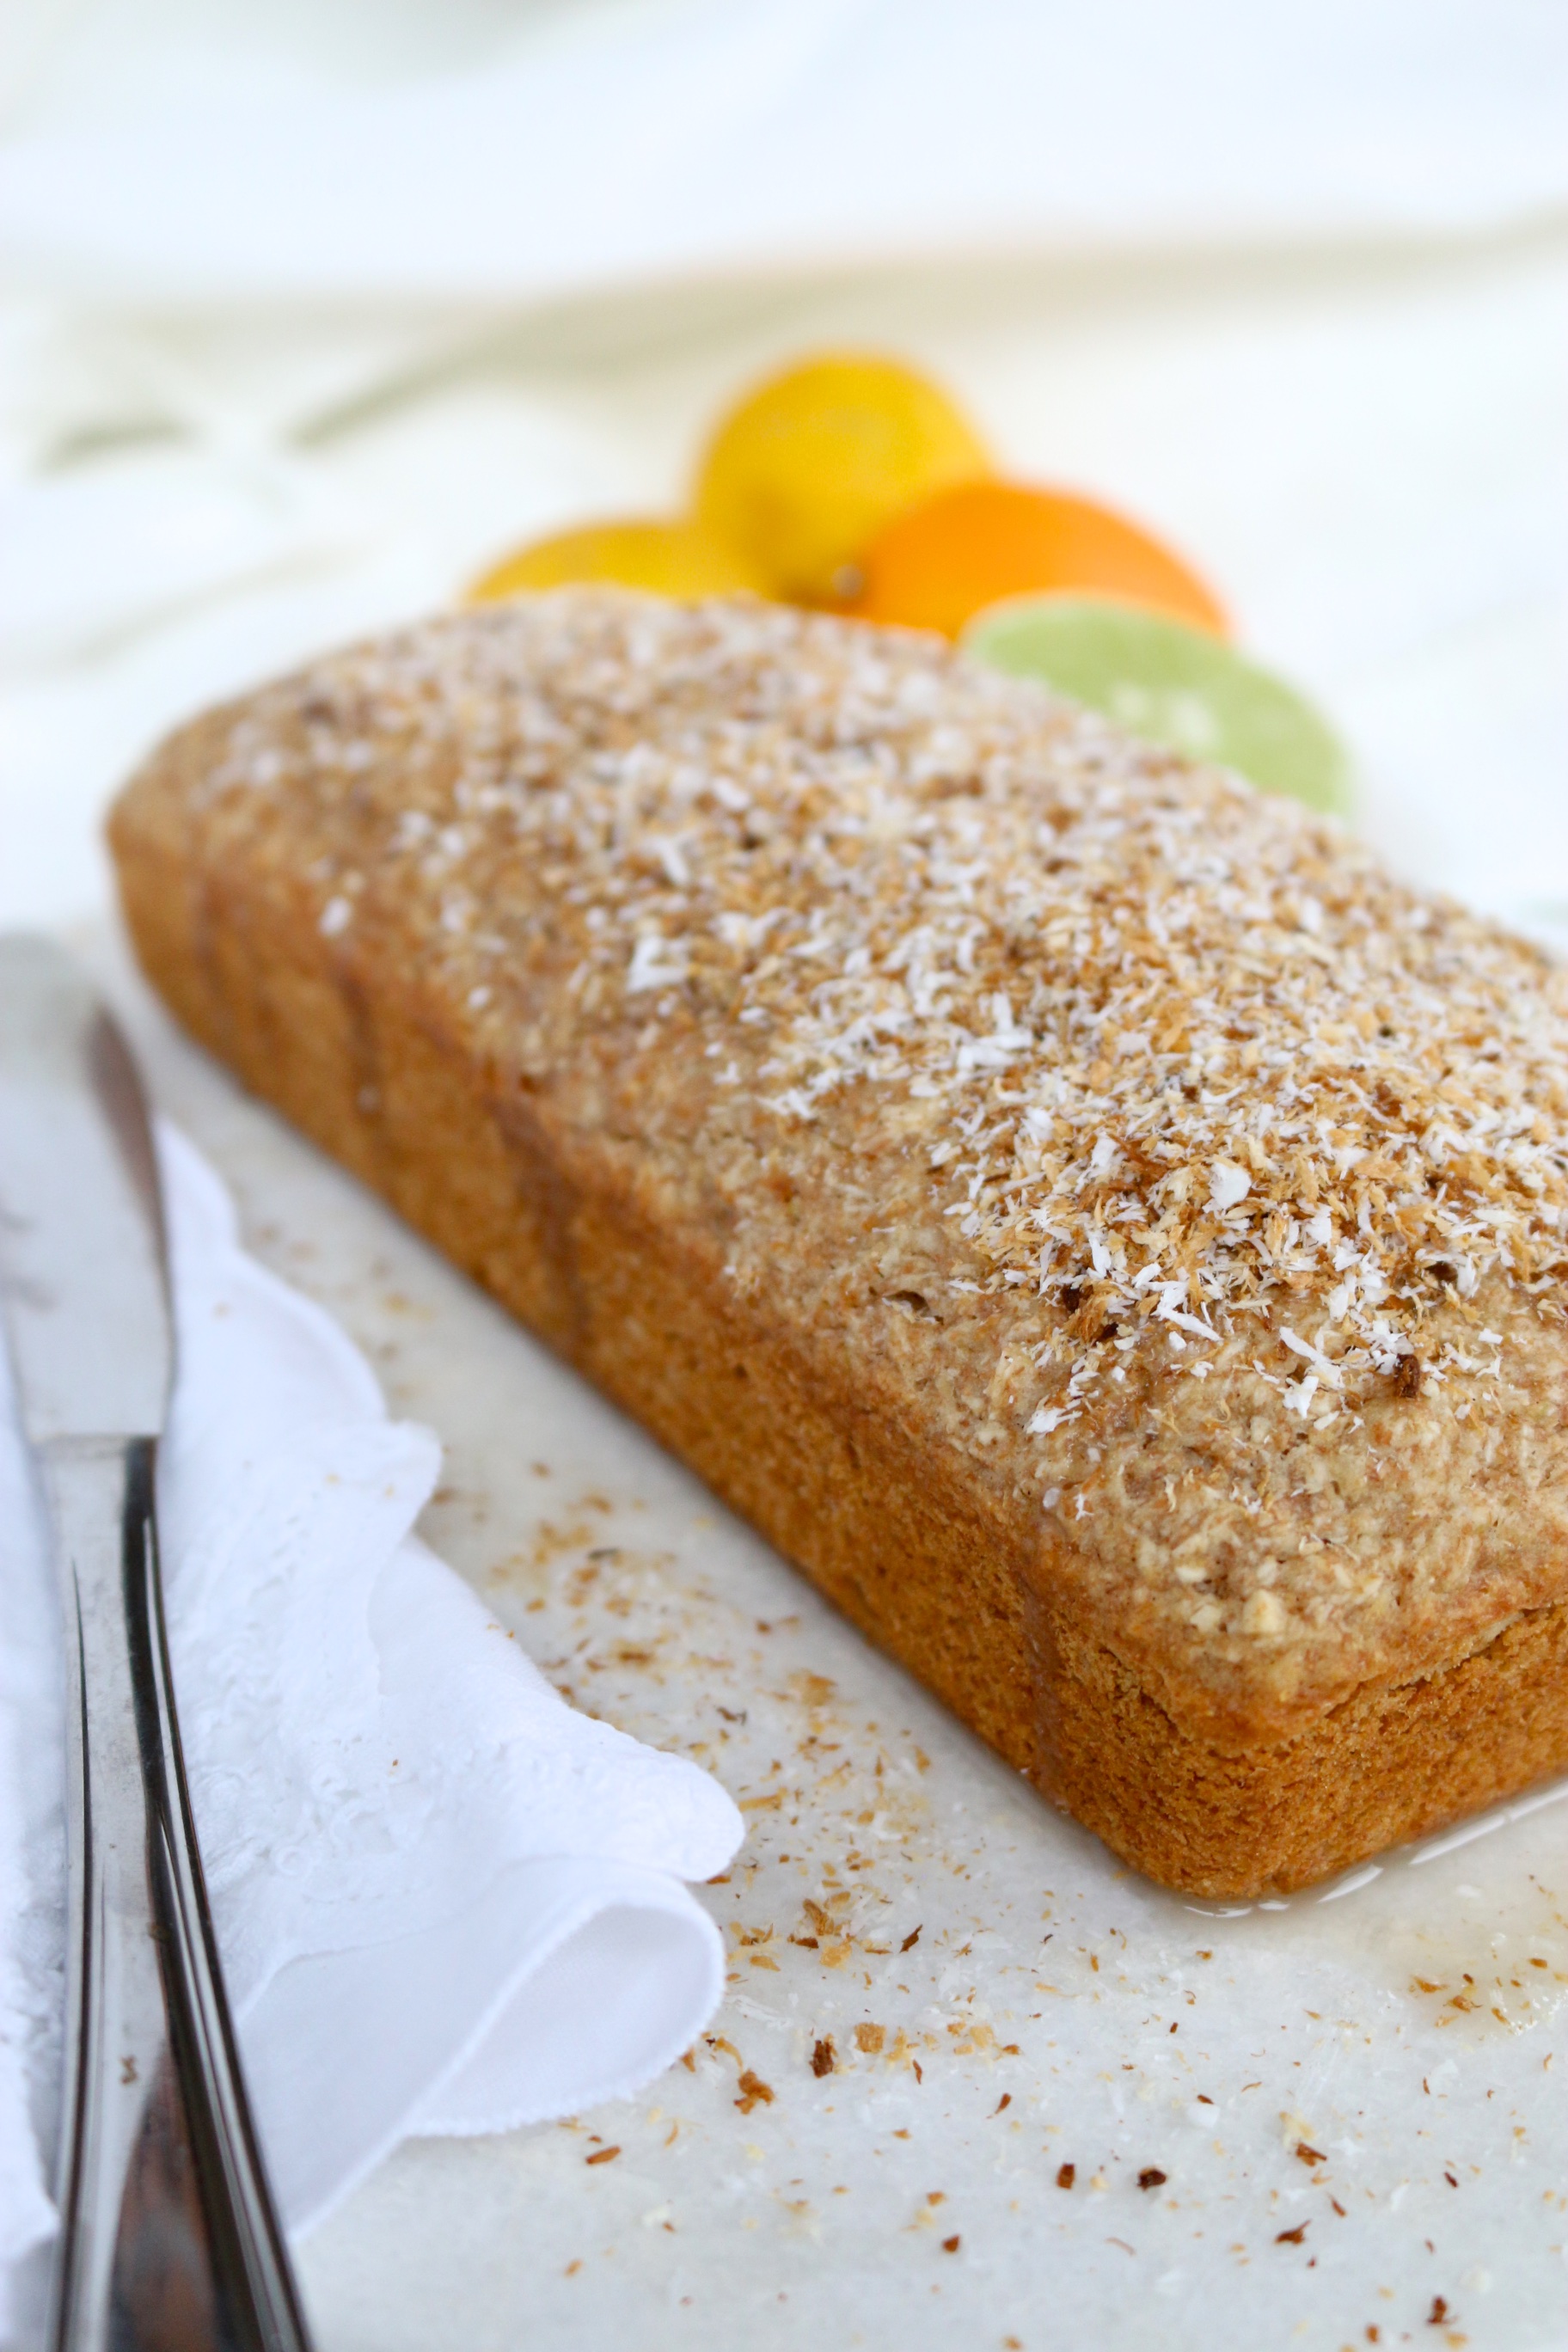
(940, 562)
(668, 558)
(809, 466)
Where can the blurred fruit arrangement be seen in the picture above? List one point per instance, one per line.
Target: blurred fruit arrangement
(852, 484)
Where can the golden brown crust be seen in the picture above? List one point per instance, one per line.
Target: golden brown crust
(1262, 1641)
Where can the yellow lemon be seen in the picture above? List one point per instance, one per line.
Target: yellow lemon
(808, 468)
(668, 558)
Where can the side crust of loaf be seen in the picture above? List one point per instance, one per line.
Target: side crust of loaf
(913, 1558)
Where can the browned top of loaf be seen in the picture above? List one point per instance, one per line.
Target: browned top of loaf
(1135, 1136)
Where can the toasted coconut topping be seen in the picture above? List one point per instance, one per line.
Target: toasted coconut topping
(1193, 1061)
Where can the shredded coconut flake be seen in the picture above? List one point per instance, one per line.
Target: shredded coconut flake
(1183, 1055)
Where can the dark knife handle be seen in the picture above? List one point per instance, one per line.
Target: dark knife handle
(169, 2241)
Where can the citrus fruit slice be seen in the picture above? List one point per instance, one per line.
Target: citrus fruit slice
(936, 565)
(670, 559)
(1175, 684)
(809, 467)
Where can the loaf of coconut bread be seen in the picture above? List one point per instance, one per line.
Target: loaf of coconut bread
(1094, 1220)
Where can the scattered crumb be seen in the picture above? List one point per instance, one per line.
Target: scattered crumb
(753, 2092)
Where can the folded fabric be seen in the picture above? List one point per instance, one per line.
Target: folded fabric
(446, 1902)
(602, 144)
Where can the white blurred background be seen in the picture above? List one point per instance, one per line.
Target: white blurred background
(309, 307)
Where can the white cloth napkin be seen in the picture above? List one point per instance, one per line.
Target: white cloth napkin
(446, 1902)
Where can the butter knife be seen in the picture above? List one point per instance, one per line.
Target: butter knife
(169, 2241)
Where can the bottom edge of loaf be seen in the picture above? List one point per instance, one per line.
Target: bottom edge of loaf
(912, 1563)
(1392, 1762)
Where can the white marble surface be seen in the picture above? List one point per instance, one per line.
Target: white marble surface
(1054, 2010)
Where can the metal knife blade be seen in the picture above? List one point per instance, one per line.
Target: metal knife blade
(83, 1280)
(169, 2240)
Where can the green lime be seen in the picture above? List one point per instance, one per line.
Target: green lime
(1175, 684)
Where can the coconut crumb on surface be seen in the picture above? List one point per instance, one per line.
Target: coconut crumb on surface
(1201, 1183)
